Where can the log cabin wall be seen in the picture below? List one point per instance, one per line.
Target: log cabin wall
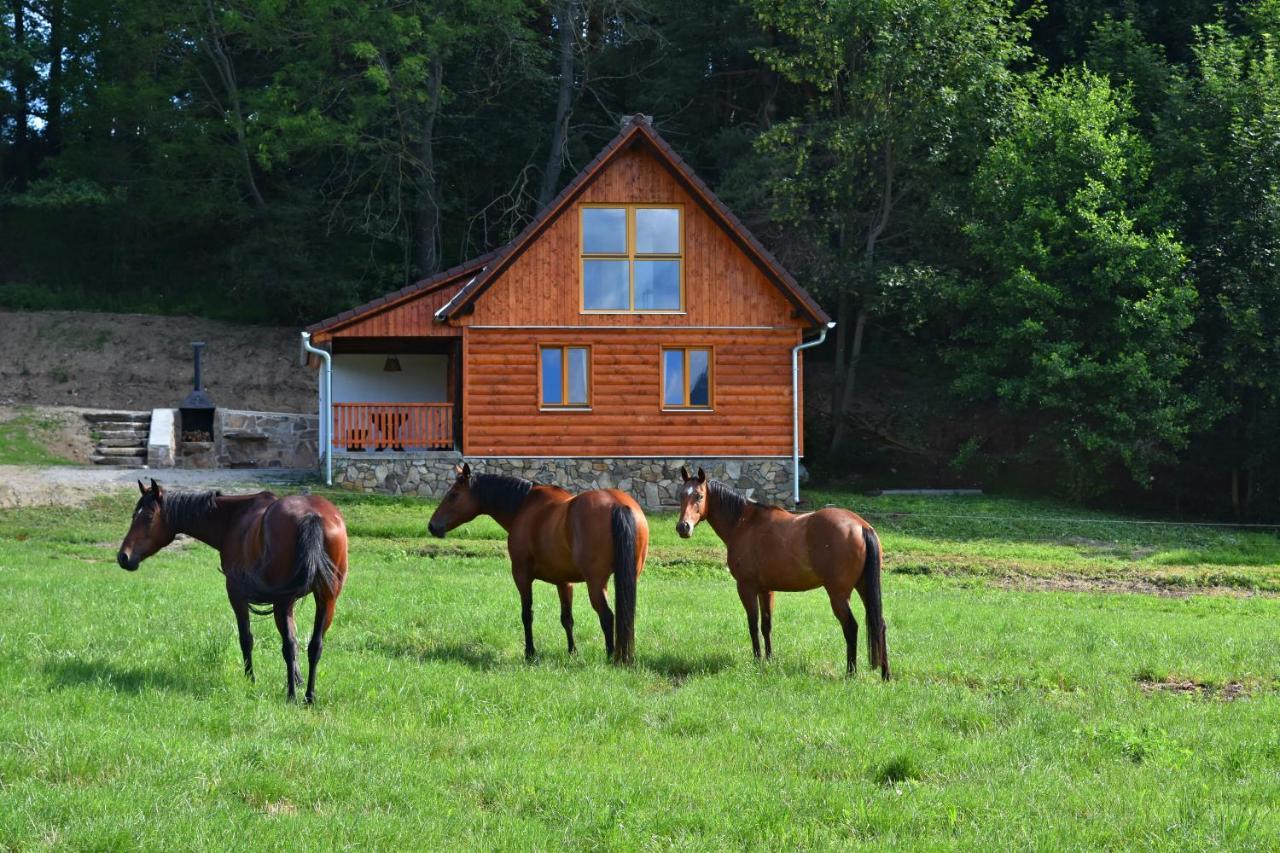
(730, 305)
(751, 397)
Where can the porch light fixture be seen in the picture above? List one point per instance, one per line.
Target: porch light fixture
(392, 365)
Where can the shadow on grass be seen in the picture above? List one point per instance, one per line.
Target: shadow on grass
(679, 667)
(65, 674)
(467, 654)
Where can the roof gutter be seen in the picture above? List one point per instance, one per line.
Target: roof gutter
(795, 410)
(326, 405)
(442, 313)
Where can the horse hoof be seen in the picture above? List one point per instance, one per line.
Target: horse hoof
(311, 699)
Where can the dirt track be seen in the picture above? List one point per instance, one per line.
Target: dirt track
(137, 361)
(22, 485)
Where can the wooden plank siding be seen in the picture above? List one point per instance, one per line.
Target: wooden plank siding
(751, 414)
(412, 317)
(723, 286)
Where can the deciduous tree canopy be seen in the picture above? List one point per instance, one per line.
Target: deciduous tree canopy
(1059, 222)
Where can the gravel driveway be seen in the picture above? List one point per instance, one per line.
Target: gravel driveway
(22, 485)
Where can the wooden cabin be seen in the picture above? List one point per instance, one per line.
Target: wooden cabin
(633, 325)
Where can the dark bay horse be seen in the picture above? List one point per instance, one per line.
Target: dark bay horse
(274, 551)
(562, 539)
(772, 550)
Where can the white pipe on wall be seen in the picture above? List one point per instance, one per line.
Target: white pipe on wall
(795, 410)
(326, 405)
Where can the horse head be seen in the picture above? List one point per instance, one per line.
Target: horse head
(459, 505)
(693, 501)
(148, 532)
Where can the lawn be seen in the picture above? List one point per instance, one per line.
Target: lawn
(1027, 707)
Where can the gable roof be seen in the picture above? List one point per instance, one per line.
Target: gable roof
(639, 130)
(439, 281)
(479, 273)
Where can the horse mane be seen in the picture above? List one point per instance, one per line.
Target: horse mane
(182, 509)
(500, 493)
(733, 503)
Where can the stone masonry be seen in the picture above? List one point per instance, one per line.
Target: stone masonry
(653, 482)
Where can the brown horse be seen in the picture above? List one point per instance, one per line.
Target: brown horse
(274, 552)
(772, 550)
(560, 538)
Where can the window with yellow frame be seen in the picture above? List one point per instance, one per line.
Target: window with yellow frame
(687, 378)
(632, 258)
(564, 376)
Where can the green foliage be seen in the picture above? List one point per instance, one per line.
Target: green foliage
(1083, 315)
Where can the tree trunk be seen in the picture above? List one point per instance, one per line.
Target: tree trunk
(53, 103)
(216, 49)
(566, 19)
(841, 365)
(22, 109)
(428, 227)
(850, 381)
(845, 398)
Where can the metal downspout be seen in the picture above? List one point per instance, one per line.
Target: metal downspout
(795, 410)
(326, 405)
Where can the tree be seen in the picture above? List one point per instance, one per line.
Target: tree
(1219, 146)
(898, 91)
(1080, 322)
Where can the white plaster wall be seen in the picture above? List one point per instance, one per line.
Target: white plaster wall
(361, 379)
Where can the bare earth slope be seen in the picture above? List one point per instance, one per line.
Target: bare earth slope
(138, 361)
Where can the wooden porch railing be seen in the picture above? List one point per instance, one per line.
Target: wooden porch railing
(393, 426)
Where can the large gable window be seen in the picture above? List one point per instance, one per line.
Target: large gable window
(631, 258)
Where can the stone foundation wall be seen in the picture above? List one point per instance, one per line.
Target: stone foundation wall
(653, 482)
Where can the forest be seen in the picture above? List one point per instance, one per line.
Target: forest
(1049, 232)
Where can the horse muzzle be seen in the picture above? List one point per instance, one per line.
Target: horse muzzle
(436, 529)
(684, 528)
(127, 562)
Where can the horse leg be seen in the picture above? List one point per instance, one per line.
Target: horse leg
(524, 583)
(566, 612)
(766, 620)
(324, 618)
(601, 604)
(288, 647)
(751, 603)
(844, 615)
(241, 609)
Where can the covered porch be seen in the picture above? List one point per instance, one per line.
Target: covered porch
(396, 395)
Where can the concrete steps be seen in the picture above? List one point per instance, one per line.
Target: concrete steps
(119, 438)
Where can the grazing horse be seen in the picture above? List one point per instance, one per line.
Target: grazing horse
(560, 538)
(772, 550)
(274, 551)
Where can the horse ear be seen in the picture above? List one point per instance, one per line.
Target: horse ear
(702, 475)
(466, 470)
(155, 487)
(684, 473)
(141, 487)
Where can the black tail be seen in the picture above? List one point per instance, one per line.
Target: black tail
(311, 564)
(877, 649)
(624, 584)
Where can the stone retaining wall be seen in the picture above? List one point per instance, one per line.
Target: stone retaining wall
(241, 439)
(244, 439)
(653, 482)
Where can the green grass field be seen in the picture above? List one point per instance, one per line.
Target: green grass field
(1025, 709)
